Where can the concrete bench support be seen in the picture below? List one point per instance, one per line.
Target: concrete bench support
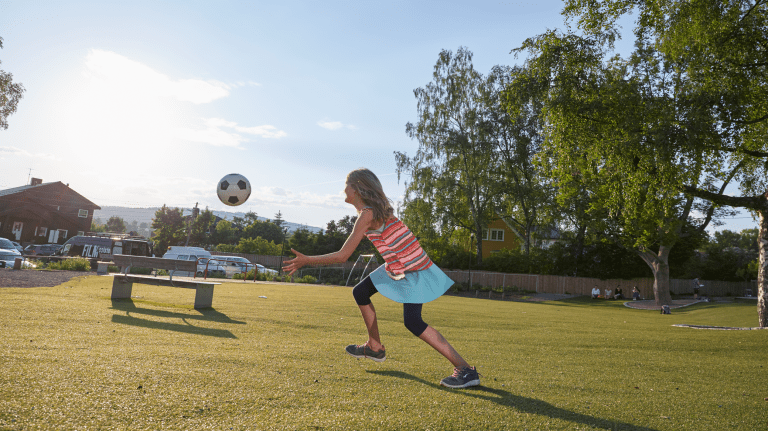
(102, 268)
(121, 288)
(204, 295)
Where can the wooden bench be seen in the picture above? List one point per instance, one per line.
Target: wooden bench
(122, 285)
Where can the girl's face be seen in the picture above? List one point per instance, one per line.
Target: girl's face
(350, 194)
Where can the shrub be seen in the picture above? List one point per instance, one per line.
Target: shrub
(76, 264)
(307, 279)
(249, 276)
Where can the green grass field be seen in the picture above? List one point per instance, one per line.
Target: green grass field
(73, 359)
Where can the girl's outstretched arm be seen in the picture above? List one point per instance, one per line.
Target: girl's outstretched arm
(358, 232)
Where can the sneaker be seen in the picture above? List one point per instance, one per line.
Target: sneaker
(462, 378)
(363, 351)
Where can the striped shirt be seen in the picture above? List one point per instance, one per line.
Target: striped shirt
(399, 247)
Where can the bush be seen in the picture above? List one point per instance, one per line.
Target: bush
(249, 276)
(76, 264)
(306, 279)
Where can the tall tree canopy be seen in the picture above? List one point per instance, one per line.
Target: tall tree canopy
(717, 53)
(451, 173)
(169, 229)
(10, 94)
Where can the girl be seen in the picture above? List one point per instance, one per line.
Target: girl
(408, 276)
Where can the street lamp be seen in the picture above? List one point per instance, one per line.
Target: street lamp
(471, 240)
(282, 251)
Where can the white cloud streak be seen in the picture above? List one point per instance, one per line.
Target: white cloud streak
(335, 125)
(114, 68)
(13, 152)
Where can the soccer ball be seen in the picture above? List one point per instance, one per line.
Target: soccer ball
(233, 189)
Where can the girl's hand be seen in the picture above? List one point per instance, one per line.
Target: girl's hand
(295, 263)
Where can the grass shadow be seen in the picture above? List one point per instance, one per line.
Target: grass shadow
(521, 404)
(210, 315)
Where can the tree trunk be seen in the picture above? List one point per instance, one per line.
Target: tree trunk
(762, 270)
(479, 257)
(659, 264)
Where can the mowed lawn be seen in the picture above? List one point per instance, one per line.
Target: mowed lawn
(70, 358)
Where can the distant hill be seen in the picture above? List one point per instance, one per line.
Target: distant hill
(145, 215)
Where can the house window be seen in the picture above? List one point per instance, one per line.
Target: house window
(83, 213)
(80, 233)
(493, 234)
(42, 231)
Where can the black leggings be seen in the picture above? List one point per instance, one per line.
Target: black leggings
(411, 312)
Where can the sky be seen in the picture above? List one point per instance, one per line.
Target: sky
(151, 103)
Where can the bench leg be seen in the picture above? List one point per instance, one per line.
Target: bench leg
(103, 268)
(204, 296)
(121, 288)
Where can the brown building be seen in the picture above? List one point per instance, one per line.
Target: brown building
(498, 237)
(43, 213)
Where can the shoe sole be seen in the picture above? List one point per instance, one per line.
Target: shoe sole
(475, 382)
(367, 357)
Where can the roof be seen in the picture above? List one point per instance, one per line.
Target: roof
(28, 187)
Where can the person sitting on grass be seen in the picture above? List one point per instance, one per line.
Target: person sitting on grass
(409, 276)
(635, 294)
(617, 294)
(595, 292)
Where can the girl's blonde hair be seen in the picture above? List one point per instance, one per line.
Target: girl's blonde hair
(368, 186)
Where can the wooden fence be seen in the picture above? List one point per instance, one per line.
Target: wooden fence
(584, 286)
(273, 262)
(549, 283)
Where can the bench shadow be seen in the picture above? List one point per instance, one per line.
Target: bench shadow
(208, 315)
(521, 404)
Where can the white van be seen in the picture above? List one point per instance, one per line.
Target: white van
(236, 265)
(198, 254)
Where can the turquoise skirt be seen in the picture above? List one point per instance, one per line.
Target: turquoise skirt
(417, 287)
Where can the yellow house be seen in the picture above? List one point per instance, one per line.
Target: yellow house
(498, 237)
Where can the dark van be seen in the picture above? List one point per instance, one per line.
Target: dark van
(94, 244)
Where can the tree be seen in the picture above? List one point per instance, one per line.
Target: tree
(203, 228)
(10, 94)
(263, 229)
(169, 228)
(718, 50)
(454, 164)
(278, 219)
(224, 233)
(258, 246)
(627, 132)
(525, 197)
(97, 225)
(116, 224)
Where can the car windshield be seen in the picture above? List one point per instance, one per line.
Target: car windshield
(4, 243)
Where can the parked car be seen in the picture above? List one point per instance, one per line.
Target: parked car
(18, 247)
(42, 249)
(198, 254)
(94, 244)
(6, 244)
(8, 258)
(236, 265)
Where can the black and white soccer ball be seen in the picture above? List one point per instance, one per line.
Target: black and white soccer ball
(233, 190)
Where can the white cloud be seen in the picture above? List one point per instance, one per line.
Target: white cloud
(214, 133)
(279, 191)
(265, 131)
(13, 151)
(335, 125)
(143, 80)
